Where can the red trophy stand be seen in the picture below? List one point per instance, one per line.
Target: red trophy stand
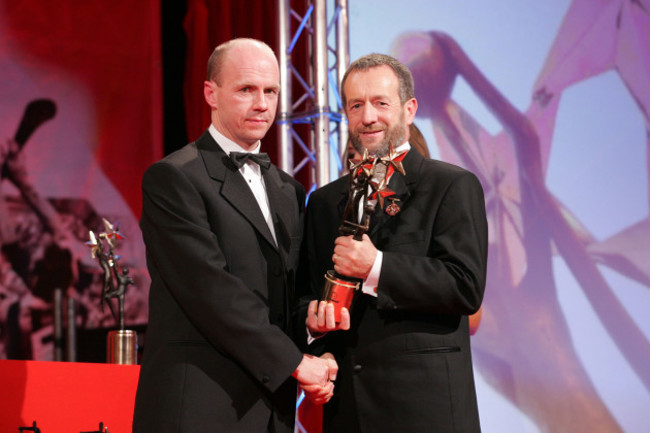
(340, 292)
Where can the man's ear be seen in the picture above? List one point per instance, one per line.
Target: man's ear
(411, 108)
(209, 93)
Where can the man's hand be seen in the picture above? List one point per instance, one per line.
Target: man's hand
(319, 394)
(320, 318)
(313, 371)
(316, 376)
(354, 258)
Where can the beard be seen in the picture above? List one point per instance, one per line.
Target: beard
(394, 136)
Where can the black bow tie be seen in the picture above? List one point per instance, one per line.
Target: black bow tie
(240, 158)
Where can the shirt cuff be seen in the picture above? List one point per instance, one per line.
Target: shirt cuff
(370, 283)
(311, 338)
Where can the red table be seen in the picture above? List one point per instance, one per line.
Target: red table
(66, 397)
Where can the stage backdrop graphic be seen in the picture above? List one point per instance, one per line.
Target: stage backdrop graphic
(90, 74)
(549, 104)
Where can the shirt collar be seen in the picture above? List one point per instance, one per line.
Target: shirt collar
(227, 144)
(402, 148)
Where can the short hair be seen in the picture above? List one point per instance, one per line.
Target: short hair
(215, 62)
(406, 87)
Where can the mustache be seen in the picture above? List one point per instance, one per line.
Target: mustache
(369, 129)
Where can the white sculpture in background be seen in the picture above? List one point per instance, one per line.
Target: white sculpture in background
(524, 349)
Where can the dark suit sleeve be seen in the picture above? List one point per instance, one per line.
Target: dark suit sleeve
(441, 267)
(187, 258)
(321, 228)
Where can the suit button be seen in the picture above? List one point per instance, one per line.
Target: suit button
(357, 368)
(265, 379)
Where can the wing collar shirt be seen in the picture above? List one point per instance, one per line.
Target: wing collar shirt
(251, 172)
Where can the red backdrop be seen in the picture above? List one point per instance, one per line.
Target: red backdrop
(98, 63)
(113, 50)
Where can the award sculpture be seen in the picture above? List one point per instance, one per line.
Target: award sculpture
(122, 344)
(368, 188)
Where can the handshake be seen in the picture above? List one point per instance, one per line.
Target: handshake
(316, 375)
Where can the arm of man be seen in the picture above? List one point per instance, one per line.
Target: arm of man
(187, 257)
(443, 274)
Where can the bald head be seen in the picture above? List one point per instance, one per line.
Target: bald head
(242, 90)
(222, 51)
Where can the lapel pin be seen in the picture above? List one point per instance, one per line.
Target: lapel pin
(393, 208)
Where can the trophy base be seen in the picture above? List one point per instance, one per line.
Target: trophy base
(340, 292)
(122, 347)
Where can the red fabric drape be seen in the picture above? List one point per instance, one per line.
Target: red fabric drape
(114, 52)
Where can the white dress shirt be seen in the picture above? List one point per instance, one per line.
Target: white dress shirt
(251, 172)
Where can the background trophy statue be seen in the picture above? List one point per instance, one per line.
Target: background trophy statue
(368, 188)
(122, 344)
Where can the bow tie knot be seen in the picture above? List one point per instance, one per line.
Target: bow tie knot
(240, 158)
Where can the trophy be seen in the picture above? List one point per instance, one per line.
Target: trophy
(368, 188)
(121, 344)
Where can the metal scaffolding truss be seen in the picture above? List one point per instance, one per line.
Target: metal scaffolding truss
(321, 152)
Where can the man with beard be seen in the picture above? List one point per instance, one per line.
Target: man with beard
(403, 350)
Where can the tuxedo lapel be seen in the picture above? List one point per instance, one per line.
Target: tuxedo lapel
(234, 188)
(401, 186)
(240, 196)
(283, 207)
(343, 201)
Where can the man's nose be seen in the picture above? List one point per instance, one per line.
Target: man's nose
(369, 115)
(261, 102)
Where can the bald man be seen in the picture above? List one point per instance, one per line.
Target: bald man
(222, 227)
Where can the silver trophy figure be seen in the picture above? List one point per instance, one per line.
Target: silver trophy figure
(121, 344)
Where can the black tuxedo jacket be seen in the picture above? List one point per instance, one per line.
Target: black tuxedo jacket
(405, 365)
(217, 355)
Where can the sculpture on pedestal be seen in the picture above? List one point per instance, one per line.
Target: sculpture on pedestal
(121, 347)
